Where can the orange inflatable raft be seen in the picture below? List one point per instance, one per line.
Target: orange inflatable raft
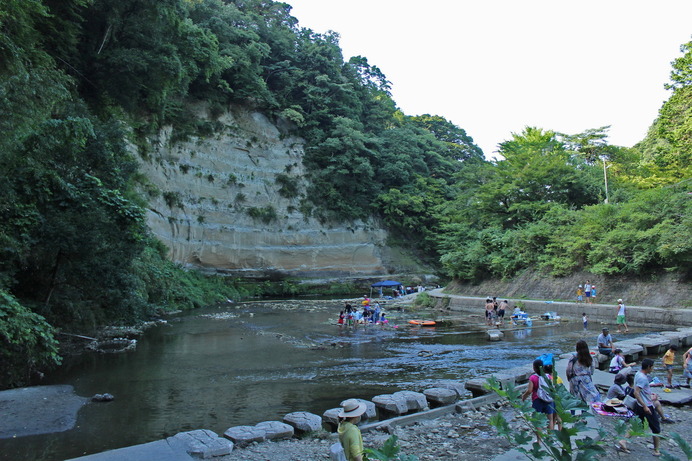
(423, 323)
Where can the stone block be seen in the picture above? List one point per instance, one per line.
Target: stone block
(653, 344)
(389, 404)
(685, 336)
(245, 435)
(456, 387)
(438, 396)
(521, 374)
(370, 410)
(476, 386)
(303, 421)
(276, 430)
(415, 401)
(675, 337)
(202, 443)
(495, 335)
(330, 419)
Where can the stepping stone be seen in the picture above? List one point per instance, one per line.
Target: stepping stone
(456, 387)
(276, 430)
(676, 338)
(202, 443)
(303, 421)
(245, 435)
(476, 386)
(685, 336)
(389, 404)
(438, 396)
(653, 344)
(631, 350)
(330, 419)
(495, 335)
(415, 401)
(521, 374)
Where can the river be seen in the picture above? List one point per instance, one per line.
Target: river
(240, 364)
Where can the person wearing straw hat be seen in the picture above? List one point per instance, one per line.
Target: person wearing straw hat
(349, 434)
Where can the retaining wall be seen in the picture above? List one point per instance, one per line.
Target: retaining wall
(597, 313)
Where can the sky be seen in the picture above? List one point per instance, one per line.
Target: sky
(493, 67)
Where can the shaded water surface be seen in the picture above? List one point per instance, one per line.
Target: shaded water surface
(246, 363)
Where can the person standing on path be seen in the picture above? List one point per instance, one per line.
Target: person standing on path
(580, 372)
(587, 291)
(580, 294)
(621, 316)
(349, 434)
(645, 407)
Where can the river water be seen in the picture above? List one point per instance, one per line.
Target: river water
(240, 364)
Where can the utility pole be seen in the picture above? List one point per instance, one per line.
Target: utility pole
(605, 179)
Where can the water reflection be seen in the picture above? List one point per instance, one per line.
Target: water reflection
(242, 364)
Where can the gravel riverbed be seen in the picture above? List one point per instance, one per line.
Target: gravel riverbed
(458, 436)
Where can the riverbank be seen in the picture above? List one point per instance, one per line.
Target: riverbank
(451, 437)
(248, 328)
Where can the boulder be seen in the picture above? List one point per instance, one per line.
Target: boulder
(330, 419)
(275, 430)
(245, 435)
(202, 443)
(415, 401)
(438, 396)
(303, 421)
(388, 404)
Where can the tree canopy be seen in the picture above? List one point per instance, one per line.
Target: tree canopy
(83, 79)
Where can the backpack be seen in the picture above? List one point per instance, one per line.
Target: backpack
(570, 368)
(541, 392)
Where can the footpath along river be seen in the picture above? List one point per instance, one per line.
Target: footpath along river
(244, 363)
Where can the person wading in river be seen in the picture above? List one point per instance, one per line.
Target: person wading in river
(349, 434)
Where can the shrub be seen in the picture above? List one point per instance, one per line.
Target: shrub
(27, 343)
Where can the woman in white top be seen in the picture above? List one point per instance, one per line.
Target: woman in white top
(621, 316)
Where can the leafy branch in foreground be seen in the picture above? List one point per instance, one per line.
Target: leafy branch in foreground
(389, 452)
(571, 441)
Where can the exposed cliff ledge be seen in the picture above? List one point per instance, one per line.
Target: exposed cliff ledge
(218, 206)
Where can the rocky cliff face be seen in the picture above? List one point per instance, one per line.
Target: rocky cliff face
(231, 203)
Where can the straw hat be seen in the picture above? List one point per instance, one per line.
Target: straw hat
(351, 408)
(614, 402)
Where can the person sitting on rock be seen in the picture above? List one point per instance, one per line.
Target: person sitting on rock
(605, 343)
(618, 362)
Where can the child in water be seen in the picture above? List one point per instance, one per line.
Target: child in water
(585, 319)
(341, 318)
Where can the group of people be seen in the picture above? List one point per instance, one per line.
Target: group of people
(370, 314)
(586, 293)
(495, 311)
(646, 404)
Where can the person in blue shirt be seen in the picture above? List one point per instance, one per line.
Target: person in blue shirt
(605, 343)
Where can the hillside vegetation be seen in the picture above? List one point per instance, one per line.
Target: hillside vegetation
(81, 80)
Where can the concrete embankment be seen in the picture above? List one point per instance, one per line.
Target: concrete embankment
(655, 317)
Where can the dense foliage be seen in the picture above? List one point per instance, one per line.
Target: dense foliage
(83, 79)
